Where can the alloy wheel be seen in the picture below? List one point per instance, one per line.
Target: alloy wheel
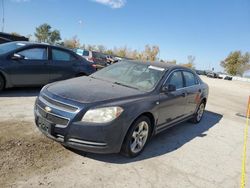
(200, 112)
(139, 137)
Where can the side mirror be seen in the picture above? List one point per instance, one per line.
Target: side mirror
(17, 57)
(169, 88)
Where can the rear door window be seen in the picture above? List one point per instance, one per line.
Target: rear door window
(60, 55)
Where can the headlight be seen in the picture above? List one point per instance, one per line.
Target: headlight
(102, 115)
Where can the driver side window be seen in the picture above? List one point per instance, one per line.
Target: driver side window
(34, 54)
(176, 79)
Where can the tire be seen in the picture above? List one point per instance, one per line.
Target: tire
(2, 83)
(80, 74)
(137, 137)
(199, 113)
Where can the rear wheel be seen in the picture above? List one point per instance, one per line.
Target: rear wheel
(199, 113)
(80, 74)
(2, 83)
(137, 137)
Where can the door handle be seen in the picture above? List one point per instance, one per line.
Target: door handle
(199, 90)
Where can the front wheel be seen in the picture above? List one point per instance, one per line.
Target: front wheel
(137, 137)
(199, 113)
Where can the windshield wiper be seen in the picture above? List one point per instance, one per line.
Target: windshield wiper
(121, 84)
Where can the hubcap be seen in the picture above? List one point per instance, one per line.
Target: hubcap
(139, 137)
(200, 111)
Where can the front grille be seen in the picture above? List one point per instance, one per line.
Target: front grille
(57, 104)
(52, 117)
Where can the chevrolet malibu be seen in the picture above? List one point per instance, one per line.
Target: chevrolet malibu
(119, 108)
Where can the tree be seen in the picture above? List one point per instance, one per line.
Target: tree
(72, 43)
(15, 34)
(101, 48)
(172, 62)
(235, 62)
(91, 47)
(150, 53)
(122, 52)
(191, 59)
(190, 63)
(110, 52)
(44, 34)
(54, 37)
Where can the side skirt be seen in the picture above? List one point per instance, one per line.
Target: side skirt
(167, 126)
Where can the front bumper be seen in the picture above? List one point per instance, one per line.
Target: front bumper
(65, 127)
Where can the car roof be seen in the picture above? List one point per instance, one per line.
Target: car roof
(159, 64)
(28, 43)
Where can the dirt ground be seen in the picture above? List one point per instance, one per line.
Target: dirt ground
(205, 155)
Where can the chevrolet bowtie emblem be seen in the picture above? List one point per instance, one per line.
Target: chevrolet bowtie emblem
(48, 109)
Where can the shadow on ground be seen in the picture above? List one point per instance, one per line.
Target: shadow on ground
(21, 92)
(167, 141)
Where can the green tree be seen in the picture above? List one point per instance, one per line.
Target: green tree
(54, 37)
(44, 34)
(110, 52)
(235, 62)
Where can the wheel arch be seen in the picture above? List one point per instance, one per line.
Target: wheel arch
(4, 78)
(151, 118)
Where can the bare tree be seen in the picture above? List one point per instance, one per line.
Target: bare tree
(72, 43)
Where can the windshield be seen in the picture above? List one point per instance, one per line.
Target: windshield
(130, 74)
(10, 46)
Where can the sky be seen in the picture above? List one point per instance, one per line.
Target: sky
(206, 29)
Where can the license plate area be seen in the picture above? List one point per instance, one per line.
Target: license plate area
(44, 125)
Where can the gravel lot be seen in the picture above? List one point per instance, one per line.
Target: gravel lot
(204, 155)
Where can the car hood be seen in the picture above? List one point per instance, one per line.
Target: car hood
(90, 90)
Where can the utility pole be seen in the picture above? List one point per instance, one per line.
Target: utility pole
(3, 16)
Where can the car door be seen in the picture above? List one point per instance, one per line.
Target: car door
(62, 65)
(31, 69)
(193, 90)
(172, 105)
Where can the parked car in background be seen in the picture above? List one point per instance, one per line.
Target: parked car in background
(6, 37)
(200, 72)
(111, 59)
(221, 75)
(98, 59)
(228, 78)
(212, 75)
(33, 64)
(119, 108)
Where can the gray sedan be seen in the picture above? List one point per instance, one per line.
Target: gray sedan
(119, 108)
